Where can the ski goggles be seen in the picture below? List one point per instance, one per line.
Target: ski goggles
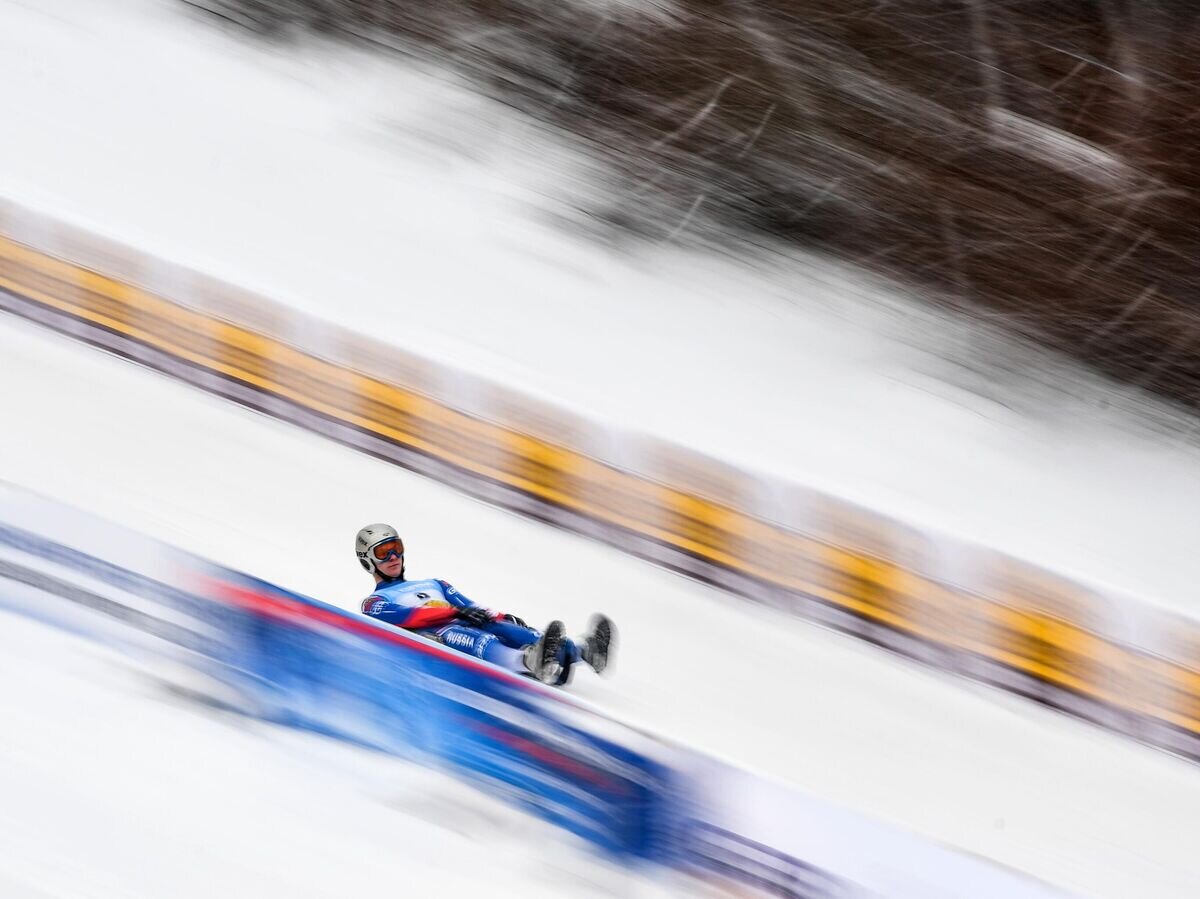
(387, 549)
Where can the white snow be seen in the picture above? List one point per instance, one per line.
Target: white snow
(966, 765)
(383, 194)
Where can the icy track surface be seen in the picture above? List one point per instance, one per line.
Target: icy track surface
(384, 195)
(969, 766)
(115, 787)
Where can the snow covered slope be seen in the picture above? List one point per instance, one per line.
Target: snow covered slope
(995, 775)
(385, 195)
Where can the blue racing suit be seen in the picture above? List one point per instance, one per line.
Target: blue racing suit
(431, 607)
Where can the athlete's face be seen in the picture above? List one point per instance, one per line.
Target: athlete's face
(389, 558)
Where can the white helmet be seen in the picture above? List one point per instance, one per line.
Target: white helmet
(368, 539)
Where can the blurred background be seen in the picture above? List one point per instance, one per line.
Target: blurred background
(842, 352)
(1033, 162)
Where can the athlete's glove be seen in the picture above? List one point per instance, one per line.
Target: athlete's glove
(475, 616)
(513, 619)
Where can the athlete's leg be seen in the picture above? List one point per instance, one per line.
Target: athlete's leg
(519, 637)
(513, 634)
(483, 645)
(571, 651)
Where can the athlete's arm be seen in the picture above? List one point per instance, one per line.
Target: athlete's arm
(478, 616)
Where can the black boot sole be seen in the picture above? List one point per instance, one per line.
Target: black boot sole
(552, 641)
(600, 642)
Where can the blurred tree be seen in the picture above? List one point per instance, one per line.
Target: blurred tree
(1037, 161)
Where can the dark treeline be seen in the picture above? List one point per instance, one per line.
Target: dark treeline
(1038, 159)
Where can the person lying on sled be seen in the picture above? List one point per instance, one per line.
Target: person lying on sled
(435, 609)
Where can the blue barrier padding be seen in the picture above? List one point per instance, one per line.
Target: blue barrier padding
(307, 664)
(404, 695)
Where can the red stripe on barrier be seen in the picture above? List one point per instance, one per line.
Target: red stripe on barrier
(552, 757)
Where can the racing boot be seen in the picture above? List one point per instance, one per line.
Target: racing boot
(543, 658)
(596, 645)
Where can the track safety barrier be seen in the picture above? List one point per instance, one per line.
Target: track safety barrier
(266, 652)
